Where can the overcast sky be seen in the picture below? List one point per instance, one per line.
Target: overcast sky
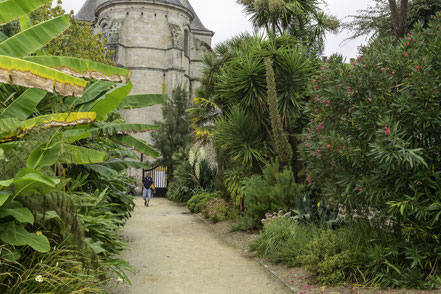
(226, 19)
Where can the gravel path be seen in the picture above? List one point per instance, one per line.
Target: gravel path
(175, 252)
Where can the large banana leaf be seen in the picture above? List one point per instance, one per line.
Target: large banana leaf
(110, 130)
(44, 122)
(8, 127)
(33, 38)
(83, 68)
(138, 101)
(136, 144)
(13, 9)
(2, 37)
(103, 170)
(29, 181)
(25, 105)
(111, 101)
(21, 214)
(81, 155)
(92, 92)
(14, 234)
(46, 154)
(33, 75)
(121, 165)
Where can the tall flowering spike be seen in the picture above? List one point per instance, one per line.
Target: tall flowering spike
(283, 147)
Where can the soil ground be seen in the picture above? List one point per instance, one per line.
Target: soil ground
(176, 252)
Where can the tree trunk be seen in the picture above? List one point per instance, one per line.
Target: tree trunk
(399, 18)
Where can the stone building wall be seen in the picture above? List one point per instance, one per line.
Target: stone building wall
(160, 41)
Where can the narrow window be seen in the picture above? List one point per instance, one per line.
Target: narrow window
(186, 42)
(105, 31)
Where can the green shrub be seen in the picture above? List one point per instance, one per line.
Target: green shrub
(185, 184)
(282, 240)
(196, 202)
(190, 179)
(326, 259)
(269, 192)
(216, 210)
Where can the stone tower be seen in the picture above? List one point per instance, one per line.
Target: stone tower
(160, 41)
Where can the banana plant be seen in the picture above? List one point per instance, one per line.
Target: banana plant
(53, 74)
(90, 106)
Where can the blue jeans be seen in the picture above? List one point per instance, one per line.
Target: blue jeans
(147, 193)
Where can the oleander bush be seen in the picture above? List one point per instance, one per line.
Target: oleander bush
(373, 147)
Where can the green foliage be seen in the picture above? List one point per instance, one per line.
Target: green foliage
(302, 18)
(191, 178)
(174, 132)
(185, 185)
(236, 102)
(283, 241)
(376, 21)
(58, 271)
(77, 41)
(238, 138)
(326, 259)
(234, 186)
(269, 192)
(320, 214)
(216, 210)
(196, 202)
(372, 143)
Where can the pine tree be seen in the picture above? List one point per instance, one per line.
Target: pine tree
(174, 132)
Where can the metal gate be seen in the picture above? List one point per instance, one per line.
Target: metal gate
(159, 176)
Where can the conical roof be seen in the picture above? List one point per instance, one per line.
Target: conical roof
(87, 12)
(197, 23)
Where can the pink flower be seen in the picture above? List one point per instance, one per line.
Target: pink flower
(323, 68)
(419, 67)
(386, 131)
(405, 53)
(309, 179)
(393, 72)
(344, 147)
(307, 145)
(410, 75)
(361, 189)
(329, 146)
(432, 16)
(424, 59)
(383, 69)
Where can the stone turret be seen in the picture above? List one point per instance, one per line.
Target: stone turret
(160, 41)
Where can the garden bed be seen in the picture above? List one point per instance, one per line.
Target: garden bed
(297, 278)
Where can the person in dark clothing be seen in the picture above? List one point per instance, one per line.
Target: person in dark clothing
(148, 189)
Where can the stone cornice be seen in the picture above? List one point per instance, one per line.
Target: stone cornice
(154, 2)
(144, 47)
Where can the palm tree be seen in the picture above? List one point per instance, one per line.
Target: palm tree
(301, 18)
